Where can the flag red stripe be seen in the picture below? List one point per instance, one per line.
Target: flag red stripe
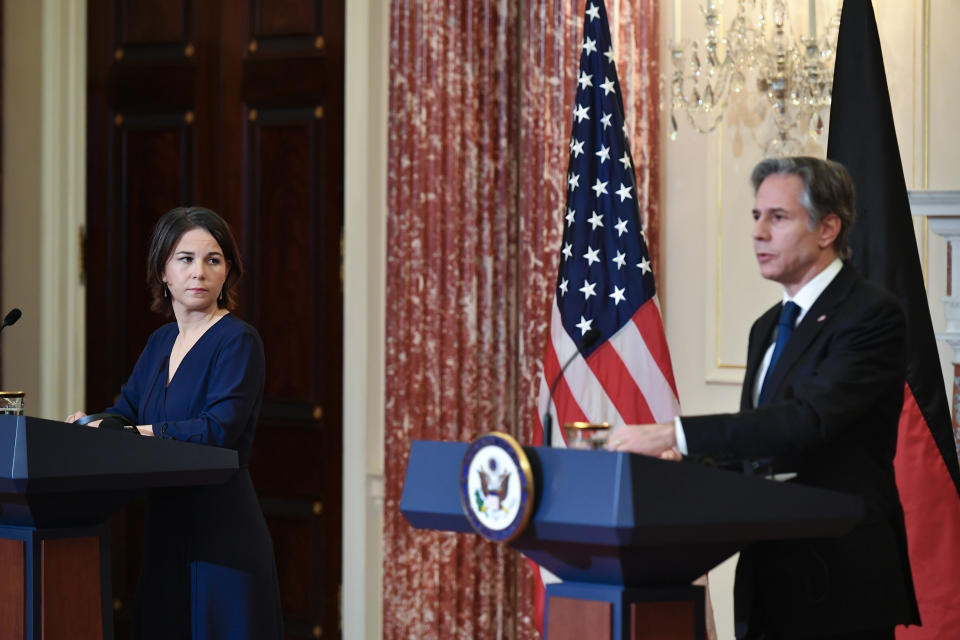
(539, 594)
(551, 365)
(648, 321)
(616, 380)
(932, 517)
(563, 398)
(537, 439)
(646, 372)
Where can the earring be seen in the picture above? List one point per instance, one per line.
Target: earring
(221, 297)
(166, 292)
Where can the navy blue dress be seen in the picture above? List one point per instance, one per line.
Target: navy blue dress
(208, 566)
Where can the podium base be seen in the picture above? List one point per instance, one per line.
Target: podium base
(611, 612)
(55, 583)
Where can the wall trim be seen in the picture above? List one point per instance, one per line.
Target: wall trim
(62, 206)
(44, 198)
(933, 203)
(364, 293)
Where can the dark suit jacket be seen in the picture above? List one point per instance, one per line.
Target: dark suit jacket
(830, 414)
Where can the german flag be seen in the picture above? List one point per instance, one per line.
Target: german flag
(863, 139)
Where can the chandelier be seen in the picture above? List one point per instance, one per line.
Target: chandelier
(793, 76)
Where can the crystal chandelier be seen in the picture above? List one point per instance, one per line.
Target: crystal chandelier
(793, 76)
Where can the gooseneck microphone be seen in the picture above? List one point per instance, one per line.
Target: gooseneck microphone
(11, 318)
(588, 340)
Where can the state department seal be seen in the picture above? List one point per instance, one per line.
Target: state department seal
(496, 487)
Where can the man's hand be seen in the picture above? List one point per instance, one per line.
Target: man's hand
(656, 440)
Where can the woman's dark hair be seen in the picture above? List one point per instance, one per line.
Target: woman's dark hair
(166, 234)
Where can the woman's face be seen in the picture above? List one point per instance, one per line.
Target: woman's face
(195, 272)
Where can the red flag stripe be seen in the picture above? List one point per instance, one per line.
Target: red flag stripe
(932, 517)
(579, 385)
(619, 385)
(648, 321)
(563, 400)
(643, 350)
(539, 593)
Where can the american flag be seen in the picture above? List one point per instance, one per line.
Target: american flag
(605, 280)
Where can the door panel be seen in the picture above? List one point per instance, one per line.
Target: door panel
(152, 159)
(293, 135)
(280, 153)
(286, 18)
(153, 21)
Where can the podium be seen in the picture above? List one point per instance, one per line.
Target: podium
(628, 534)
(58, 484)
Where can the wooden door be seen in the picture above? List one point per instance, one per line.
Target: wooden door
(235, 105)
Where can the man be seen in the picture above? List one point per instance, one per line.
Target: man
(821, 397)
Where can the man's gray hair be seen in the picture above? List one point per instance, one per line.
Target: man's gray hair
(827, 188)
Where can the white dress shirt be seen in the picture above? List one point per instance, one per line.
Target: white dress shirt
(804, 299)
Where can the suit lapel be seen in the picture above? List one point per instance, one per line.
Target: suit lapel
(760, 339)
(813, 322)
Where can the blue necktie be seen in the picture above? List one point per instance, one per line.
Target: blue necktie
(788, 317)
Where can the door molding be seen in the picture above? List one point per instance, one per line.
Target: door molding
(45, 202)
(63, 199)
(366, 69)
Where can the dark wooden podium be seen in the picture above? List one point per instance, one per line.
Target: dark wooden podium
(628, 534)
(58, 484)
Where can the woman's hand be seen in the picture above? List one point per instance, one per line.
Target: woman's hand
(73, 417)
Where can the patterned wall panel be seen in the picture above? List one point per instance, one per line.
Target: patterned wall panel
(451, 281)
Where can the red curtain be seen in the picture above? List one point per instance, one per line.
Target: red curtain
(480, 111)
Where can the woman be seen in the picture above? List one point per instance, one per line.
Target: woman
(208, 567)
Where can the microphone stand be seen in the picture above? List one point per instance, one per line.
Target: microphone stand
(587, 341)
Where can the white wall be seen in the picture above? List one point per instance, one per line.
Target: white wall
(22, 92)
(711, 288)
(365, 207)
(44, 125)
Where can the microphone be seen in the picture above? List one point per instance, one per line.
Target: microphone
(11, 318)
(588, 340)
